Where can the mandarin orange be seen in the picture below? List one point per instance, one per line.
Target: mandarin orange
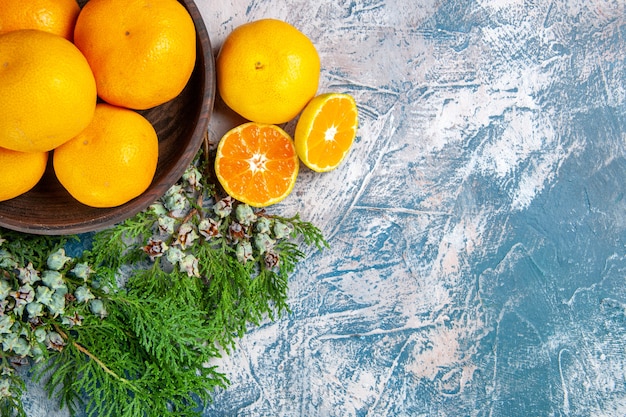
(112, 161)
(47, 91)
(142, 52)
(257, 164)
(20, 172)
(267, 70)
(54, 16)
(326, 130)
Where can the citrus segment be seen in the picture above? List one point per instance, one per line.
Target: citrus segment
(267, 70)
(112, 161)
(54, 16)
(142, 52)
(47, 91)
(20, 171)
(326, 130)
(257, 164)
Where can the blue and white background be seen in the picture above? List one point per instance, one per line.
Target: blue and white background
(477, 229)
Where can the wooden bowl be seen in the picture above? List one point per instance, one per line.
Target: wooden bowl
(181, 124)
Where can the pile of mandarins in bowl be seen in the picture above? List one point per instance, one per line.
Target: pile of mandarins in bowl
(73, 83)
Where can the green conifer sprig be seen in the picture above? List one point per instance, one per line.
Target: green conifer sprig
(130, 325)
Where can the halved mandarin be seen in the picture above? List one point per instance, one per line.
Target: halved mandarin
(326, 130)
(257, 164)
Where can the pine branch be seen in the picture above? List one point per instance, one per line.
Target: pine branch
(310, 234)
(11, 390)
(153, 368)
(127, 326)
(98, 361)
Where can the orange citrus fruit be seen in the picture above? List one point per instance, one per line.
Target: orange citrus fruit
(47, 91)
(54, 16)
(257, 164)
(142, 52)
(267, 70)
(20, 171)
(326, 130)
(112, 161)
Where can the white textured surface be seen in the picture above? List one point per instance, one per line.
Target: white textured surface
(477, 229)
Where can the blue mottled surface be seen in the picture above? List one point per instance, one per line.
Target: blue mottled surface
(477, 229)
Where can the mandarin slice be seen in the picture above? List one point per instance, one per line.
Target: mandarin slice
(326, 130)
(257, 164)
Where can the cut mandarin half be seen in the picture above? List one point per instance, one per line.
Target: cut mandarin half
(257, 164)
(325, 131)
